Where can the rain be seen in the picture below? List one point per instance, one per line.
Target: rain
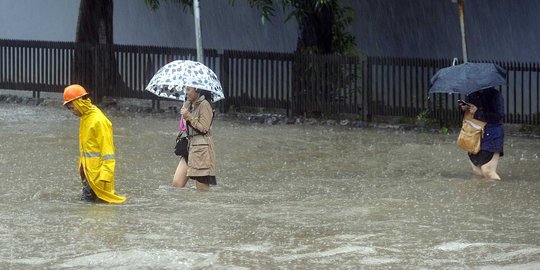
(308, 195)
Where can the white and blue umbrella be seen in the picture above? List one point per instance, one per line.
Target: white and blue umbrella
(171, 80)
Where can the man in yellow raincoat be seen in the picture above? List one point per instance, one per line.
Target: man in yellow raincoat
(96, 147)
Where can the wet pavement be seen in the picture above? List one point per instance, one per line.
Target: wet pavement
(288, 197)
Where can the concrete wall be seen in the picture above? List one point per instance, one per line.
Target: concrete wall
(496, 29)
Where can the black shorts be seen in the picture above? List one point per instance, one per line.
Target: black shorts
(209, 179)
(481, 157)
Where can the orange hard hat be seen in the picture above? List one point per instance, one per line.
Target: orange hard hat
(73, 92)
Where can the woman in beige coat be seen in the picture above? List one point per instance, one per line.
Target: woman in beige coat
(201, 161)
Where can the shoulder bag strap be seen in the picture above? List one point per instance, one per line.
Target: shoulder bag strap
(198, 131)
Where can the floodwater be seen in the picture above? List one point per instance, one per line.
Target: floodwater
(288, 197)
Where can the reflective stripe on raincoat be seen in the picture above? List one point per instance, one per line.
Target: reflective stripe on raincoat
(96, 147)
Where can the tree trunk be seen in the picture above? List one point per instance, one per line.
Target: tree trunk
(315, 25)
(95, 22)
(94, 62)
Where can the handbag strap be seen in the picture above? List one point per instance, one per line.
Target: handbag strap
(470, 117)
(198, 131)
(182, 127)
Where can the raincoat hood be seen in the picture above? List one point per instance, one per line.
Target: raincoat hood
(84, 106)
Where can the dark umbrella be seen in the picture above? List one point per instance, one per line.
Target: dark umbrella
(467, 78)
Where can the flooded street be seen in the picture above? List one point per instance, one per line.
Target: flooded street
(288, 197)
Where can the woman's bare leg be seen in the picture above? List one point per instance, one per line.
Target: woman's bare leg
(180, 176)
(476, 170)
(202, 186)
(489, 170)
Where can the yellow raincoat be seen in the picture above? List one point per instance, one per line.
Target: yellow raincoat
(96, 146)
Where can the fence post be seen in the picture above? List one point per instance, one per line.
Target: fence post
(366, 97)
(296, 85)
(96, 78)
(224, 70)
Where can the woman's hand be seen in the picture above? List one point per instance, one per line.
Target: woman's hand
(472, 108)
(185, 107)
(186, 114)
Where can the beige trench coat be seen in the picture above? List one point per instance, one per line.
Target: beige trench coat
(202, 158)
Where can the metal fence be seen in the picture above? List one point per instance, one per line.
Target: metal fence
(299, 84)
(35, 65)
(51, 66)
(257, 79)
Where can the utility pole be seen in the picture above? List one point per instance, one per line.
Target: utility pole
(198, 38)
(461, 7)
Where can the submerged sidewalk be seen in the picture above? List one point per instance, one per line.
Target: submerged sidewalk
(171, 107)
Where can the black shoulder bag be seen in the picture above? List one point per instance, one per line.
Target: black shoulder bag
(182, 143)
(181, 148)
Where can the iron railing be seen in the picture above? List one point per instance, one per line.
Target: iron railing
(299, 84)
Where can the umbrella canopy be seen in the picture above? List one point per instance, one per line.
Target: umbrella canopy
(172, 79)
(467, 78)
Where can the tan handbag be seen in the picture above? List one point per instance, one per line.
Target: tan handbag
(471, 133)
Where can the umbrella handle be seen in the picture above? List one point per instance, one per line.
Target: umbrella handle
(182, 126)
